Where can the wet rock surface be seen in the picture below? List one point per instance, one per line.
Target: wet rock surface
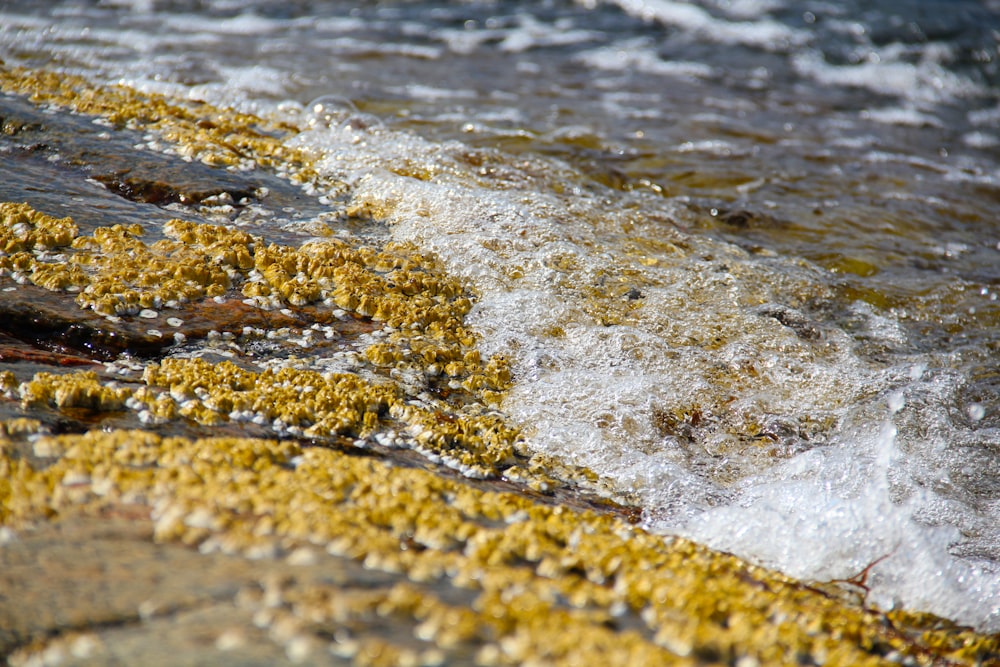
(118, 158)
(301, 460)
(113, 595)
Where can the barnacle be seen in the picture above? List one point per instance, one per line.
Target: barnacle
(549, 583)
(24, 229)
(75, 390)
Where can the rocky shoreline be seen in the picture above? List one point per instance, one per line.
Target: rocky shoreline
(221, 446)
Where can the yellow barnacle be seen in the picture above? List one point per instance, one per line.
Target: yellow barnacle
(197, 411)
(382, 354)
(367, 305)
(19, 426)
(75, 390)
(217, 288)
(471, 358)
(56, 277)
(238, 256)
(301, 294)
(22, 228)
(345, 298)
(8, 381)
(254, 288)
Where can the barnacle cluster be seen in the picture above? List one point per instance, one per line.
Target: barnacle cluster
(23, 229)
(291, 401)
(547, 583)
(112, 271)
(82, 389)
(195, 130)
(420, 309)
(115, 273)
(8, 383)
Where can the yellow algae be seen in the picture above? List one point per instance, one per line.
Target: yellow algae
(548, 583)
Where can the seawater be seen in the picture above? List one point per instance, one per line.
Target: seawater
(743, 254)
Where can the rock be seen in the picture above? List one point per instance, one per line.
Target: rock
(314, 471)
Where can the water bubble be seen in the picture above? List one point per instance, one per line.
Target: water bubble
(330, 110)
(290, 107)
(976, 411)
(361, 121)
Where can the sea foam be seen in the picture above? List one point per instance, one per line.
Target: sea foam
(677, 367)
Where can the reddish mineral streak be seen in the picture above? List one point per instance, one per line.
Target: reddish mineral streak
(13, 351)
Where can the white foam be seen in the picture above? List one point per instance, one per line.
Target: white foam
(830, 513)
(337, 24)
(988, 117)
(748, 9)
(465, 41)
(137, 6)
(718, 147)
(907, 116)
(531, 33)
(980, 140)
(423, 92)
(763, 33)
(613, 387)
(247, 23)
(639, 54)
(887, 73)
(250, 81)
(522, 33)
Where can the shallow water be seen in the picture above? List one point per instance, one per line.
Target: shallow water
(743, 254)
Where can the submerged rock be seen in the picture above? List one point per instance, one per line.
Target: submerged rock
(385, 511)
